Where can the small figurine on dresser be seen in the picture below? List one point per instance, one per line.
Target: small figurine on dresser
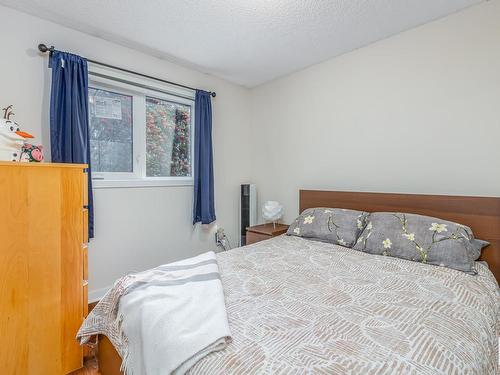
(13, 146)
(31, 153)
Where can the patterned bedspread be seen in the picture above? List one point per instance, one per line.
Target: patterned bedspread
(298, 306)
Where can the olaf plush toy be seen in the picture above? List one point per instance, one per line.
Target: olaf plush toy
(11, 138)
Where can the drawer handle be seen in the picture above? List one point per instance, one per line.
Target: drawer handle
(85, 283)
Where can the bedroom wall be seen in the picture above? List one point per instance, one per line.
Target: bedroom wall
(136, 228)
(418, 112)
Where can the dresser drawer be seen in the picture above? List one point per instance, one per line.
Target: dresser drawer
(256, 237)
(85, 298)
(85, 256)
(85, 218)
(263, 232)
(85, 189)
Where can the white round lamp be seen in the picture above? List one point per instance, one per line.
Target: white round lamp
(272, 211)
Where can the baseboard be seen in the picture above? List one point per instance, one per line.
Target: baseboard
(96, 295)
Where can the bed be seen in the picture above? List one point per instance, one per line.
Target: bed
(300, 306)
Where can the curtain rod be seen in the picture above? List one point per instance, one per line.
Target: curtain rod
(43, 48)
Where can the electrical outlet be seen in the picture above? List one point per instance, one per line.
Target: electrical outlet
(219, 236)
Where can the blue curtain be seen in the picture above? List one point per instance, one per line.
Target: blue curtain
(69, 120)
(203, 205)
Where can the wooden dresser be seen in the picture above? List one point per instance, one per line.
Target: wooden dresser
(43, 266)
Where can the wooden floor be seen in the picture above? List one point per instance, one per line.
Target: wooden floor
(91, 367)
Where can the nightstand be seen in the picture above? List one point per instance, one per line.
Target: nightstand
(264, 232)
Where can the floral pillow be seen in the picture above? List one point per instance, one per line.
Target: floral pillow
(421, 239)
(334, 225)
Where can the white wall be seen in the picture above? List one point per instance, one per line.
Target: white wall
(135, 228)
(418, 112)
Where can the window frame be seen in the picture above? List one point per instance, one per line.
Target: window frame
(139, 88)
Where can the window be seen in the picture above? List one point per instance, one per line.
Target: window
(141, 132)
(110, 131)
(168, 139)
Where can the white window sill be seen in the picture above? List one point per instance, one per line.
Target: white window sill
(140, 183)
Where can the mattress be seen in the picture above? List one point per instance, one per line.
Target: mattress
(298, 306)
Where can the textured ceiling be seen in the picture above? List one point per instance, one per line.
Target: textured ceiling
(244, 41)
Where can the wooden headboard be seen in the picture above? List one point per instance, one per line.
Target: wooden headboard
(481, 214)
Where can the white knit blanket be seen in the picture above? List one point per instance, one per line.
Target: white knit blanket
(162, 321)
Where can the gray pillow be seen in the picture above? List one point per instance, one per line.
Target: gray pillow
(421, 239)
(333, 225)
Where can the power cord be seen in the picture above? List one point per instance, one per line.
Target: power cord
(222, 240)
